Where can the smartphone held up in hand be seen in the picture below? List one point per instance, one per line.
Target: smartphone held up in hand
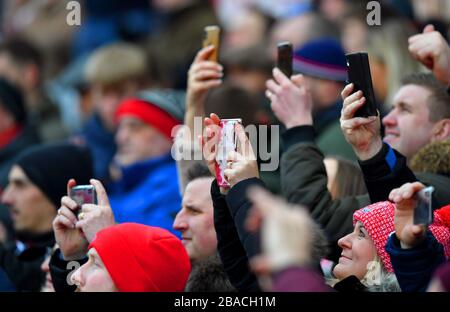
(284, 58)
(83, 194)
(358, 70)
(423, 213)
(212, 37)
(227, 143)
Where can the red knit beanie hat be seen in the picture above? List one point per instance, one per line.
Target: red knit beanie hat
(142, 258)
(378, 220)
(441, 228)
(149, 113)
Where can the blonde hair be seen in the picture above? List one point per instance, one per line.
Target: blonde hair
(116, 63)
(377, 278)
(389, 45)
(381, 281)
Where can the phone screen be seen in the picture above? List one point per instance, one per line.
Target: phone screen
(83, 194)
(423, 213)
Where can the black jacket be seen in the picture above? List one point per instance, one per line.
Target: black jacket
(235, 245)
(22, 261)
(304, 181)
(60, 270)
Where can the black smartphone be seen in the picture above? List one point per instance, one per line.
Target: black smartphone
(358, 70)
(284, 59)
(83, 194)
(212, 37)
(423, 213)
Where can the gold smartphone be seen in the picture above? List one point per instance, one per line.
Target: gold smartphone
(212, 37)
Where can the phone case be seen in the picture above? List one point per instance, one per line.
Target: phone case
(83, 194)
(358, 70)
(212, 37)
(226, 144)
(284, 60)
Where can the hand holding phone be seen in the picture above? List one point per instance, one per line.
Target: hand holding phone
(83, 194)
(359, 74)
(227, 143)
(212, 37)
(284, 59)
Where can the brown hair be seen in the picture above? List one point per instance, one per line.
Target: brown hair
(439, 99)
(349, 180)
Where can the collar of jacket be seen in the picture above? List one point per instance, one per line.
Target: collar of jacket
(350, 284)
(132, 175)
(28, 243)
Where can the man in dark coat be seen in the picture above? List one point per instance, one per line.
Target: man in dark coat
(37, 181)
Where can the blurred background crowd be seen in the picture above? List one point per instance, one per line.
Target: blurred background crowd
(79, 84)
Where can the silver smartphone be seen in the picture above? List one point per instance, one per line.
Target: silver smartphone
(423, 213)
(83, 194)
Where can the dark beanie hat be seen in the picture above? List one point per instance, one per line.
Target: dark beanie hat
(321, 58)
(50, 166)
(12, 100)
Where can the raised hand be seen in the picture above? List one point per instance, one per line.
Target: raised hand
(242, 164)
(96, 217)
(431, 49)
(287, 232)
(203, 75)
(291, 99)
(406, 231)
(71, 240)
(363, 134)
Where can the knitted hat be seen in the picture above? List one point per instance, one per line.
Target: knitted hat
(143, 258)
(378, 220)
(12, 100)
(321, 58)
(50, 166)
(161, 109)
(441, 228)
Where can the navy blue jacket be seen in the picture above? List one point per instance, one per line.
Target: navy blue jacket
(147, 193)
(414, 267)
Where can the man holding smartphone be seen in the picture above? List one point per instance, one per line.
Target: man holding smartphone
(37, 181)
(420, 115)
